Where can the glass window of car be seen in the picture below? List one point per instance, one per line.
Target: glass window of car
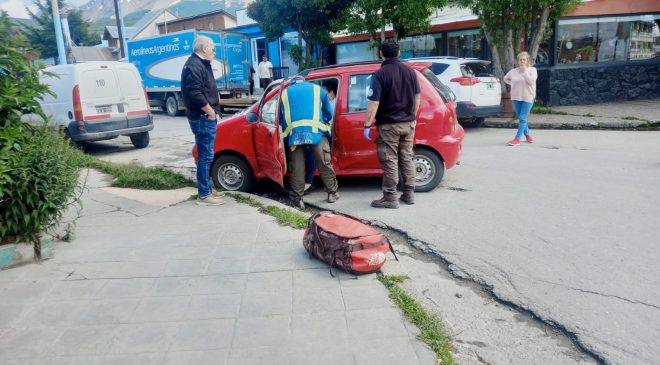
(438, 68)
(269, 110)
(358, 89)
(476, 69)
(445, 92)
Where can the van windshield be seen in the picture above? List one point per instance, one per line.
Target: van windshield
(445, 92)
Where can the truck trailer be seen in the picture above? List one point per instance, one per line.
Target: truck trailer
(160, 59)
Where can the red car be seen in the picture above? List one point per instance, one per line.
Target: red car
(248, 146)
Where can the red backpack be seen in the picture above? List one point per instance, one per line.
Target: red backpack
(346, 243)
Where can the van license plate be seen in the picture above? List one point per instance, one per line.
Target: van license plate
(490, 85)
(103, 109)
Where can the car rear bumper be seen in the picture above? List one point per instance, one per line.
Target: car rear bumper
(469, 110)
(96, 131)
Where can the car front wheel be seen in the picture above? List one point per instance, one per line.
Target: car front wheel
(232, 174)
(429, 170)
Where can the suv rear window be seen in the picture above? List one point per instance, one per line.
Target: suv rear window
(445, 92)
(438, 68)
(476, 69)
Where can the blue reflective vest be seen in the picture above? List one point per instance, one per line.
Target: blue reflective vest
(305, 114)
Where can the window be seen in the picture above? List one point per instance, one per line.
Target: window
(465, 43)
(357, 93)
(604, 39)
(476, 69)
(354, 52)
(445, 92)
(421, 45)
(269, 110)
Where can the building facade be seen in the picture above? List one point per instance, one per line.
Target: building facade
(215, 20)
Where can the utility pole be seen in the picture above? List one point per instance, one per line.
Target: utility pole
(120, 29)
(59, 39)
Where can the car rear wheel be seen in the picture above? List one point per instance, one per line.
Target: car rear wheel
(140, 140)
(172, 106)
(472, 122)
(232, 174)
(429, 170)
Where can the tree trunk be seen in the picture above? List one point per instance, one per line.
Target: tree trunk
(537, 33)
(308, 52)
(509, 56)
(495, 55)
(372, 42)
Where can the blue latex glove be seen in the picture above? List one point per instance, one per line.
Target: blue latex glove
(367, 133)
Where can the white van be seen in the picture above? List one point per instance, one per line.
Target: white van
(98, 100)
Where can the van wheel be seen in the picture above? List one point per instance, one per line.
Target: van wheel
(140, 140)
(72, 143)
(429, 170)
(172, 106)
(232, 174)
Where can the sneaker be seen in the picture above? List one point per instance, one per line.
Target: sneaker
(513, 142)
(408, 199)
(308, 188)
(210, 200)
(333, 197)
(382, 203)
(529, 139)
(218, 193)
(298, 203)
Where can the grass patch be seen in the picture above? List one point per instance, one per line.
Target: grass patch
(135, 176)
(433, 333)
(588, 115)
(538, 109)
(285, 217)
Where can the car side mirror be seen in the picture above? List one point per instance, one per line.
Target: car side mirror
(252, 117)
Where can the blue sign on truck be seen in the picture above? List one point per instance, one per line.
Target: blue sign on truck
(160, 59)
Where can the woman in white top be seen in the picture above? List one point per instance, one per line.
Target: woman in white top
(523, 91)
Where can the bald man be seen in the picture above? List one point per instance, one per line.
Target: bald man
(200, 95)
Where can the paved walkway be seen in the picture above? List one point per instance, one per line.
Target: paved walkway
(183, 284)
(615, 115)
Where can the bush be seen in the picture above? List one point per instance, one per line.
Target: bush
(42, 174)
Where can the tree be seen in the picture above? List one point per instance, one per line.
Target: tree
(371, 16)
(508, 24)
(312, 19)
(42, 35)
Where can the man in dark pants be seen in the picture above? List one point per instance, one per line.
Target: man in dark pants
(393, 104)
(200, 95)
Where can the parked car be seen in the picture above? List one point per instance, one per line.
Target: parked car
(95, 101)
(249, 145)
(478, 91)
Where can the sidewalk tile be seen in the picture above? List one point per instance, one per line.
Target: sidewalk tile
(52, 314)
(171, 286)
(185, 267)
(265, 303)
(232, 251)
(271, 263)
(23, 293)
(314, 278)
(301, 261)
(329, 327)
(260, 356)
(270, 331)
(70, 360)
(107, 311)
(76, 289)
(366, 297)
(237, 238)
(229, 266)
(217, 357)
(27, 343)
(190, 252)
(87, 340)
(143, 337)
(336, 352)
(273, 248)
(204, 335)
(10, 314)
(218, 284)
(317, 300)
(374, 323)
(350, 280)
(127, 288)
(280, 280)
(384, 351)
(135, 359)
(161, 309)
(214, 306)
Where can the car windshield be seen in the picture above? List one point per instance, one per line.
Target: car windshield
(476, 69)
(445, 92)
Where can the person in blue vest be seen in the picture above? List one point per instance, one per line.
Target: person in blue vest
(305, 115)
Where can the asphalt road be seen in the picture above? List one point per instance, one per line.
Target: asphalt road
(566, 227)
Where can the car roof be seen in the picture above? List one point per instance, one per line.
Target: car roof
(366, 66)
(448, 59)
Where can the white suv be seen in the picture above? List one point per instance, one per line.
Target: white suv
(478, 91)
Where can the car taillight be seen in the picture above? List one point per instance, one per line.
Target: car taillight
(77, 105)
(465, 81)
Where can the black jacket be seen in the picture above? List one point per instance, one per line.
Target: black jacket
(395, 86)
(198, 87)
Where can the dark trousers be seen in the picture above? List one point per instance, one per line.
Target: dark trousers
(395, 153)
(297, 167)
(265, 82)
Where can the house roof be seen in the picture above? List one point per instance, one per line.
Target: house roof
(86, 54)
(148, 18)
(188, 18)
(111, 32)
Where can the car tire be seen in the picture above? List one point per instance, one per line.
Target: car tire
(72, 143)
(140, 140)
(231, 173)
(472, 122)
(429, 170)
(172, 106)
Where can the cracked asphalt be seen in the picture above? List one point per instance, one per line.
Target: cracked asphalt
(566, 229)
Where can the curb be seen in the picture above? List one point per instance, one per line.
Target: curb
(593, 125)
(23, 253)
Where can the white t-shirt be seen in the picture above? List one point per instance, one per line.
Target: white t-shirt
(265, 71)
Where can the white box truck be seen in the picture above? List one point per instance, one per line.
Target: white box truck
(160, 60)
(96, 101)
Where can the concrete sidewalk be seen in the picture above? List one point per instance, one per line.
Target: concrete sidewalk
(634, 114)
(169, 282)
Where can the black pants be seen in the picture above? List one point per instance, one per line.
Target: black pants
(265, 82)
(251, 87)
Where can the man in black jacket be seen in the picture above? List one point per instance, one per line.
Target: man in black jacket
(200, 95)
